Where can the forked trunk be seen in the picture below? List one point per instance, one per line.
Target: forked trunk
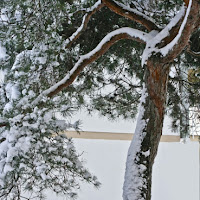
(144, 146)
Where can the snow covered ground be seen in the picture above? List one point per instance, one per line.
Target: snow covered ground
(175, 175)
(176, 169)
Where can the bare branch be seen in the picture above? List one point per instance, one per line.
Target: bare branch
(84, 60)
(132, 14)
(3, 123)
(89, 12)
(193, 53)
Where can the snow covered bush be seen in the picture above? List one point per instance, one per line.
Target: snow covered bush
(34, 155)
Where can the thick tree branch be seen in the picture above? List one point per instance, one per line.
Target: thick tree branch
(186, 29)
(157, 44)
(174, 31)
(89, 12)
(170, 42)
(84, 60)
(132, 14)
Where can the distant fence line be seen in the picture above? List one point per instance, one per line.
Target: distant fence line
(120, 136)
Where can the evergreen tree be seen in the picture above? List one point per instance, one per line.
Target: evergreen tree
(101, 55)
(34, 156)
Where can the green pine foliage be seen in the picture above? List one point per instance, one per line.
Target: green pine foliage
(35, 35)
(34, 156)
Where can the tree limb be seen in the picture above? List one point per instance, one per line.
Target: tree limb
(89, 12)
(193, 53)
(84, 60)
(132, 14)
(185, 31)
(170, 42)
(3, 123)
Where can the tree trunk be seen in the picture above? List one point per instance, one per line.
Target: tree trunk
(144, 146)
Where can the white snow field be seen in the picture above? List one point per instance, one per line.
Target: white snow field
(175, 174)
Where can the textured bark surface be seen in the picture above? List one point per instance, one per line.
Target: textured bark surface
(156, 78)
(85, 22)
(190, 26)
(155, 82)
(113, 6)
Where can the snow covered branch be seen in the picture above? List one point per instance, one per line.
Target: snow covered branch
(193, 53)
(132, 14)
(89, 12)
(170, 45)
(186, 29)
(175, 36)
(162, 37)
(84, 60)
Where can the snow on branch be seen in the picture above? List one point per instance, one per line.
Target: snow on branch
(184, 22)
(3, 122)
(84, 60)
(89, 12)
(193, 53)
(132, 14)
(189, 24)
(170, 46)
(133, 179)
(151, 46)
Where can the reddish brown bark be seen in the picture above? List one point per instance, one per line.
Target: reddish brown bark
(190, 25)
(156, 79)
(189, 28)
(156, 82)
(186, 2)
(87, 19)
(91, 59)
(130, 15)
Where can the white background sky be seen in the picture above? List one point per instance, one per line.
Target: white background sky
(175, 174)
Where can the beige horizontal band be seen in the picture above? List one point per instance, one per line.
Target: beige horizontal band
(118, 136)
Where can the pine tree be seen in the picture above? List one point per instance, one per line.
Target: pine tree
(101, 55)
(34, 156)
